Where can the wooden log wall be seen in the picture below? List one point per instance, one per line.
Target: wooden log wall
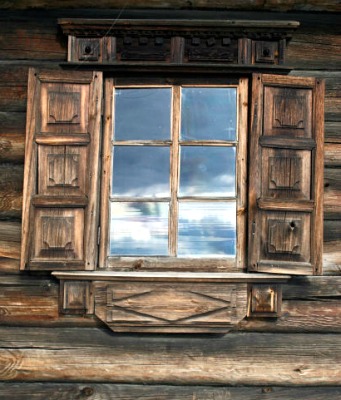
(46, 355)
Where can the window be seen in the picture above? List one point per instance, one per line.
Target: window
(63, 198)
(177, 156)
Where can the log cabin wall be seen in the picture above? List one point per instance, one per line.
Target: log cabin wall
(45, 355)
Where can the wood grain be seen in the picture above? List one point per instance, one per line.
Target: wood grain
(279, 5)
(106, 391)
(27, 301)
(92, 355)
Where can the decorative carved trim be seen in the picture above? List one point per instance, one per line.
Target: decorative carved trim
(264, 300)
(170, 302)
(213, 41)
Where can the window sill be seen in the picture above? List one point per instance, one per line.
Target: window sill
(171, 302)
(144, 276)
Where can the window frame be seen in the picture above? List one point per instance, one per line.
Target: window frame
(203, 264)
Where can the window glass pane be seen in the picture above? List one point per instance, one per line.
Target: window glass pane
(142, 114)
(207, 229)
(141, 171)
(139, 228)
(208, 113)
(207, 171)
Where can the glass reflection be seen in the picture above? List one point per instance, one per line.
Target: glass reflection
(142, 114)
(208, 113)
(207, 171)
(207, 229)
(139, 229)
(140, 171)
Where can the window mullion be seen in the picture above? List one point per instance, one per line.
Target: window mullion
(174, 174)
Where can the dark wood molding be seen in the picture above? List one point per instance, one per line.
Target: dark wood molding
(177, 41)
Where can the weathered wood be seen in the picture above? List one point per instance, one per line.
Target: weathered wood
(9, 265)
(282, 173)
(12, 122)
(12, 148)
(33, 301)
(332, 153)
(13, 98)
(332, 230)
(311, 50)
(90, 355)
(312, 288)
(280, 5)
(332, 193)
(332, 257)
(332, 131)
(11, 181)
(90, 391)
(65, 106)
(310, 304)
(300, 316)
(29, 39)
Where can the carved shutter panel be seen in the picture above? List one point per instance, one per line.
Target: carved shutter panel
(60, 204)
(286, 175)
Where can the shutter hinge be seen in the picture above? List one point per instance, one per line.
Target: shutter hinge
(102, 107)
(98, 235)
(253, 228)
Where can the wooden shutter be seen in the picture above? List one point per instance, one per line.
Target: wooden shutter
(286, 175)
(60, 203)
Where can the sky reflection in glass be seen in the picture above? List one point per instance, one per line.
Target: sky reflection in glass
(207, 229)
(141, 171)
(207, 171)
(139, 228)
(142, 114)
(208, 113)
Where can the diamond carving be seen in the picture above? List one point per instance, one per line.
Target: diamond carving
(165, 305)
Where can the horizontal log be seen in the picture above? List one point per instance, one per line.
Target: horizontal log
(32, 39)
(105, 391)
(13, 73)
(312, 288)
(332, 154)
(9, 249)
(332, 231)
(9, 265)
(10, 236)
(332, 131)
(34, 301)
(300, 316)
(279, 5)
(11, 186)
(332, 258)
(332, 193)
(12, 148)
(311, 51)
(310, 304)
(12, 122)
(10, 230)
(95, 355)
(13, 98)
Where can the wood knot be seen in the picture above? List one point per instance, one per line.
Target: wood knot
(87, 391)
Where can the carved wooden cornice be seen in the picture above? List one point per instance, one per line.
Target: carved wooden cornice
(186, 28)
